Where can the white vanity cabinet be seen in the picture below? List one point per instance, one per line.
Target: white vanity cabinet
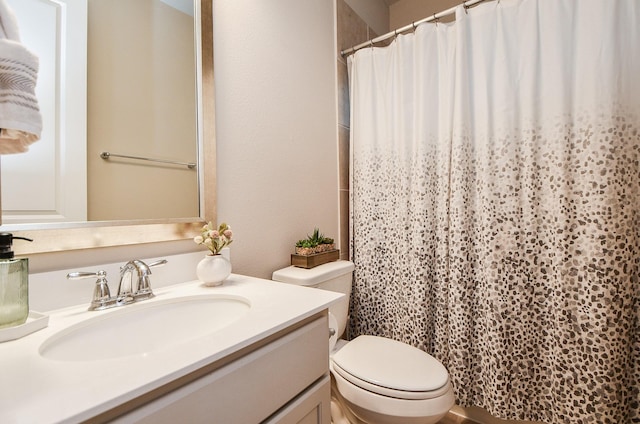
(281, 379)
(269, 365)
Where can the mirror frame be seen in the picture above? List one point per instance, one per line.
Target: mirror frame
(86, 235)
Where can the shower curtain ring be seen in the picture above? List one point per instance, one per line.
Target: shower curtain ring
(413, 24)
(465, 8)
(435, 18)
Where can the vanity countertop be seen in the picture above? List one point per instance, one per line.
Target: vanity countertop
(37, 389)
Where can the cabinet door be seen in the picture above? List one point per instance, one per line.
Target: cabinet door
(311, 407)
(250, 389)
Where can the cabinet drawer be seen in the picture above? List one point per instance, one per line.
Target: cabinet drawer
(311, 407)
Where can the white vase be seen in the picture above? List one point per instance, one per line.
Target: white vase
(213, 270)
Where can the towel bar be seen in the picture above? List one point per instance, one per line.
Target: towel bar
(107, 155)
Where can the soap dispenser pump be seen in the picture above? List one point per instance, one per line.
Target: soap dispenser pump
(14, 284)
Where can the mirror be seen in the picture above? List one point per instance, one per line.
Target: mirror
(125, 230)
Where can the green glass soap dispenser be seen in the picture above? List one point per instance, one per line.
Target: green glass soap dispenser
(14, 284)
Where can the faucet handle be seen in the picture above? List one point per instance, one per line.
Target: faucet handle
(157, 263)
(143, 290)
(101, 294)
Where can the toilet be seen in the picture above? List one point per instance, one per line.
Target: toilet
(375, 380)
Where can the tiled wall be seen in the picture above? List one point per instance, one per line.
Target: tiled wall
(351, 30)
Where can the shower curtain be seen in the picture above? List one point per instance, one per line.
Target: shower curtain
(495, 204)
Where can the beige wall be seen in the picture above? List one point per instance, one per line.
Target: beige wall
(275, 127)
(405, 12)
(374, 12)
(141, 103)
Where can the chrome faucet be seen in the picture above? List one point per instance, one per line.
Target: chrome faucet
(127, 291)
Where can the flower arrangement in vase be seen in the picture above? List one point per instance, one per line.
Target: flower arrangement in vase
(215, 239)
(214, 268)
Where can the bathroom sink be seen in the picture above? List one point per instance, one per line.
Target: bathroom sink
(144, 328)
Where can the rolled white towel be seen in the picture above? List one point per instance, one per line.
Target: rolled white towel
(20, 119)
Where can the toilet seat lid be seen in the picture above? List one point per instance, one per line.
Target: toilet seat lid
(390, 368)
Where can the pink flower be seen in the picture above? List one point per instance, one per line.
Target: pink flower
(215, 239)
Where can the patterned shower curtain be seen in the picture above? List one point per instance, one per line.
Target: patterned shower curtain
(496, 204)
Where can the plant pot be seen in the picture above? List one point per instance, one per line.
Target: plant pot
(212, 270)
(313, 260)
(321, 248)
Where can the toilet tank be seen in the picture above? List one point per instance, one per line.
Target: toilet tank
(333, 276)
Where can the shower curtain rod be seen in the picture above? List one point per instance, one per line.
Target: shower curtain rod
(411, 26)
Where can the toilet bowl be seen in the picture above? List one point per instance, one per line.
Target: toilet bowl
(378, 380)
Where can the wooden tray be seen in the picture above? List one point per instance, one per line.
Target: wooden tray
(310, 261)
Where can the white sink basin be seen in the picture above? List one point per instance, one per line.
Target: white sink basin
(144, 328)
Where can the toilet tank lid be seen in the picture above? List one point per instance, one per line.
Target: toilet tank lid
(312, 276)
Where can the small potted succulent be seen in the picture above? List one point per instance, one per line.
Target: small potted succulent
(315, 243)
(315, 250)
